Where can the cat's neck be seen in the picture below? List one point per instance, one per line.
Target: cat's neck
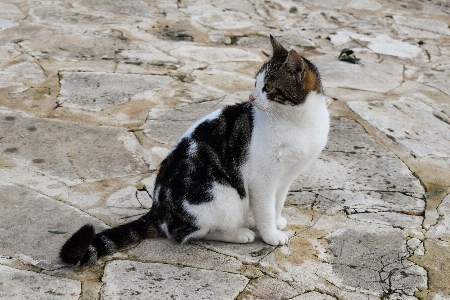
(311, 111)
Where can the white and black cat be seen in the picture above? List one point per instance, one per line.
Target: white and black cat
(232, 169)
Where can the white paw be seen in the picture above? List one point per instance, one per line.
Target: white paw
(281, 223)
(275, 237)
(244, 235)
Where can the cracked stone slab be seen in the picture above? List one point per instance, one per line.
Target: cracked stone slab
(134, 280)
(372, 76)
(399, 220)
(214, 54)
(4, 24)
(9, 10)
(95, 91)
(219, 19)
(408, 122)
(261, 42)
(305, 262)
(441, 230)
(380, 43)
(22, 73)
(247, 253)
(267, 288)
(93, 46)
(167, 125)
(229, 82)
(364, 5)
(364, 176)
(182, 93)
(314, 296)
(421, 27)
(437, 79)
(85, 19)
(20, 284)
(192, 255)
(31, 240)
(68, 152)
(375, 261)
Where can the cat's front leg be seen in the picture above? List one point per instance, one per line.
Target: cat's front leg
(263, 206)
(280, 198)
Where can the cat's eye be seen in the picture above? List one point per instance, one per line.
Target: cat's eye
(267, 88)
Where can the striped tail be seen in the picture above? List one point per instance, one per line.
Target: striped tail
(85, 247)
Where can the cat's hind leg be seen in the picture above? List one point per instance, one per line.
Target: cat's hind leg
(239, 235)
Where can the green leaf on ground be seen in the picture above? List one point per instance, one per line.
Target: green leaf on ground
(57, 232)
(348, 55)
(432, 193)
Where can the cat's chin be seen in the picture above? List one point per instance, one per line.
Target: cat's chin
(259, 105)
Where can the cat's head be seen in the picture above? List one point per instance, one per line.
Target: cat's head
(286, 79)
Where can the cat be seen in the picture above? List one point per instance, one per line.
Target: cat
(232, 169)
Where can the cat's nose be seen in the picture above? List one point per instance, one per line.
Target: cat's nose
(251, 98)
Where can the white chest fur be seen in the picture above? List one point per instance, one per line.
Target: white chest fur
(288, 138)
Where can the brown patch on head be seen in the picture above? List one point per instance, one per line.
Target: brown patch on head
(310, 81)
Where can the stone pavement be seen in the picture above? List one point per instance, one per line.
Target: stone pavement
(93, 93)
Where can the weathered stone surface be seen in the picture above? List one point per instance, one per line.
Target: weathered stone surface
(217, 18)
(441, 230)
(314, 296)
(58, 147)
(365, 5)
(167, 251)
(95, 91)
(134, 280)
(211, 54)
(374, 77)
(226, 81)
(167, 125)
(267, 288)
(377, 262)
(20, 284)
(365, 177)
(22, 73)
(6, 24)
(381, 43)
(410, 123)
(437, 79)
(34, 226)
(69, 152)
(397, 220)
(247, 253)
(432, 28)
(9, 10)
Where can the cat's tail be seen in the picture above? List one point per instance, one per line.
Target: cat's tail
(85, 247)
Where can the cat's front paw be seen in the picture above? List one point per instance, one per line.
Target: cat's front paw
(275, 238)
(281, 223)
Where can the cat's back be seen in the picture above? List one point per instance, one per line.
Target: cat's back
(214, 148)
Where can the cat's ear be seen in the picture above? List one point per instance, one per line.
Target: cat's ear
(278, 49)
(295, 64)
